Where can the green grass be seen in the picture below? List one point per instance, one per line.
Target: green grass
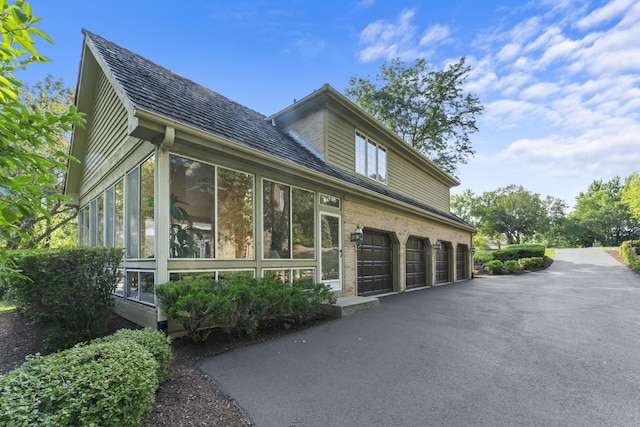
(6, 305)
(550, 252)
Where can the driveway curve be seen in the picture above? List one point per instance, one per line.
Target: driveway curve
(559, 347)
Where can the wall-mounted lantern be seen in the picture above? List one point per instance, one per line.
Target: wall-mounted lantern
(473, 249)
(357, 236)
(437, 246)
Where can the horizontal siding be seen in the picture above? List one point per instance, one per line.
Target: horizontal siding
(311, 130)
(403, 176)
(107, 134)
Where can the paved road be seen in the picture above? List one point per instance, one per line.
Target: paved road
(554, 348)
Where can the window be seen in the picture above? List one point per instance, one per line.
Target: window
(220, 275)
(211, 211)
(371, 159)
(83, 226)
(332, 202)
(140, 286)
(288, 275)
(139, 201)
(288, 222)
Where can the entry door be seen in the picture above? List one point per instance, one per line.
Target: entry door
(331, 250)
(375, 264)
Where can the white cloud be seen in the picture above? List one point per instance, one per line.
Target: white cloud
(539, 91)
(604, 14)
(436, 33)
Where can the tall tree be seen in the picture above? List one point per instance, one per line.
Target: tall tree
(601, 211)
(25, 172)
(631, 194)
(426, 107)
(52, 97)
(515, 212)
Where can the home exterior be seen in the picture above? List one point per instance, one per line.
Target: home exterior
(190, 182)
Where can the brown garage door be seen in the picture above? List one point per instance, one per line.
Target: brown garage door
(442, 264)
(375, 264)
(416, 263)
(460, 264)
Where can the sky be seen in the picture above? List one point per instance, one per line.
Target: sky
(559, 79)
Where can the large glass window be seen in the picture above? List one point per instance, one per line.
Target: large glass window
(133, 214)
(100, 230)
(140, 286)
(371, 158)
(118, 228)
(208, 201)
(288, 275)
(235, 214)
(140, 224)
(288, 211)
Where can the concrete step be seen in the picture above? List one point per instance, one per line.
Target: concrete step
(350, 305)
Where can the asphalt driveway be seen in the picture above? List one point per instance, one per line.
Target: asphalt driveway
(557, 347)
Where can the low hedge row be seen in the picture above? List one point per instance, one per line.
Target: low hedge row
(107, 382)
(630, 251)
(241, 306)
(515, 252)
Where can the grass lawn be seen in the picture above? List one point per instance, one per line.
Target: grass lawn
(6, 305)
(550, 252)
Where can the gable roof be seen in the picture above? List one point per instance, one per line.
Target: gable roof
(157, 90)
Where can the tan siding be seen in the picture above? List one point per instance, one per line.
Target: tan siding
(310, 129)
(403, 176)
(107, 133)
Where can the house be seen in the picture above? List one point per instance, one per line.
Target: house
(190, 182)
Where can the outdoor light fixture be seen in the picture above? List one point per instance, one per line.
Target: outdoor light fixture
(437, 246)
(357, 236)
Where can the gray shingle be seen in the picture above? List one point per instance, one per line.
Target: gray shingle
(156, 89)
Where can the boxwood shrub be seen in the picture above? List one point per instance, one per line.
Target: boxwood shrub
(155, 342)
(511, 266)
(531, 263)
(97, 384)
(241, 305)
(630, 251)
(66, 290)
(515, 252)
(494, 266)
(482, 257)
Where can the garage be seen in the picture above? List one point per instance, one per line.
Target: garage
(460, 264)
(417, 265)
(442, 263)
(375, 264)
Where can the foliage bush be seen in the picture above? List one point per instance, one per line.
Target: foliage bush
(66, 290)
(482, 257)
(511, 266)
(630, 251)
(515, 252)
(241, 305)
(155, 342)
(494, 266)
(97, 384)
(531, 263)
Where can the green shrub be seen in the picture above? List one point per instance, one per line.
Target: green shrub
(98, 384)
(511, 266)
(482, 257)
(155, 342)
(494, 266)
(515, 252)
(241, 305)
(630, 251)
(66, 290)
(531, 263)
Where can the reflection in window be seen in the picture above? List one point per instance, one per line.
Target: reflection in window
(191, 208)
(140, 286)
(371, 159)
(195, 218)
(120, 284)
(303, 223)
(220, 275)
(235, 214)
(331, 201)
(289, 275)
(288, 212)
(361, 154)
(276, 207)
(100, 218)
(147, 230)
(133, 213)
(119, 215)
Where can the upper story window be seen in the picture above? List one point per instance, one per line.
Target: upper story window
(371, 159)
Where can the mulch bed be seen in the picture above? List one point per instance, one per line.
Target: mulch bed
(189, 399)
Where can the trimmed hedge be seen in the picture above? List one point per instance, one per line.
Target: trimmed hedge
(66, 290)
(515, 252)
(494, 266)
(511, 266)
(155, 342)
(482, 257)
(241, 305)
(630, 251)
(531, 263)
(97, 384)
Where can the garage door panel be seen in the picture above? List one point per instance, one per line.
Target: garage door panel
(416, 263)
(375, 264)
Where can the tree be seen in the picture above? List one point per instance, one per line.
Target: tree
(426, 107)
(631, 194)
(602, 213)
(515, 212)
(49, 96)
(26, 174)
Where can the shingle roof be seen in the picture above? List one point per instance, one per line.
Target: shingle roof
(156, 89)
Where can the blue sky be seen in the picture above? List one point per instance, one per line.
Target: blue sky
(559, 79)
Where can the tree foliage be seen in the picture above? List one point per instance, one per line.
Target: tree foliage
(426, 107)
(631, 194)
(27, 173)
